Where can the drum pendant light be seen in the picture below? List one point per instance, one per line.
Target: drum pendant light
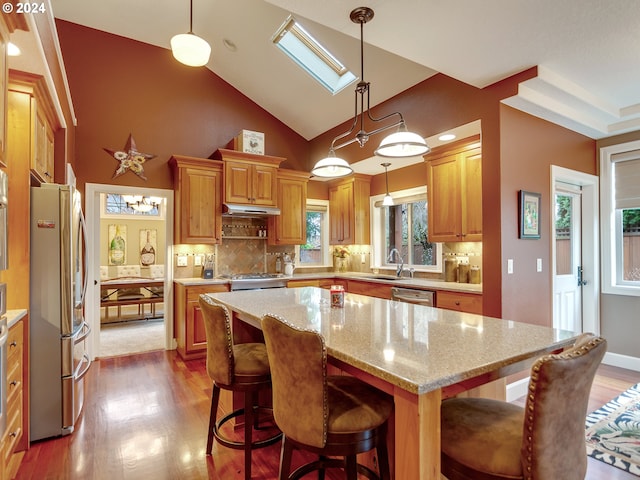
(190, 49)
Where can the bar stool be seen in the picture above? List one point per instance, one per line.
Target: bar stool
(491, 439)
(328, 415)
(242, 368)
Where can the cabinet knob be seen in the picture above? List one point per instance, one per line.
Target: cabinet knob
(13, 383)
(13, 434)
(13, 344)
(458, 302)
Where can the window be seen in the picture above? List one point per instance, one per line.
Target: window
(292, 39)
(620, 204)
(315, 252)
(403, 226)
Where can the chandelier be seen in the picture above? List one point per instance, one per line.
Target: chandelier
(140, 203)
(399, 144)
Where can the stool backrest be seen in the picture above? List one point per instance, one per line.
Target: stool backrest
(217, 324)
(553, 444)
(298, 362)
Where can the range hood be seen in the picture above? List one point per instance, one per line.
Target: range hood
(238, 210)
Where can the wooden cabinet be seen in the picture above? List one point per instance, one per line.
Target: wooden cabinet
(198, 193)
(4, 39)
(320, 282)
(249, 179)
(454, 189)
(189, 323)
(32, 116)
(461, 302)
(349, 211)
(15, 440)
(372, 289)
(290, 227)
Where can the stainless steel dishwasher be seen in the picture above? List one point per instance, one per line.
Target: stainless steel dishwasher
(410, 295)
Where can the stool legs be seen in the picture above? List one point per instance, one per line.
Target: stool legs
(215, 398)
(248, 430)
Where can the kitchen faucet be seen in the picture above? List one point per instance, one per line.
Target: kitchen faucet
(400, 264)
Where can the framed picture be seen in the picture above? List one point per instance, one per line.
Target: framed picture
(529, 214)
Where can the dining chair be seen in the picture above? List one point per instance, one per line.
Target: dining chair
(485, 439)
(240, 368)
(127, 294)
(327, 415)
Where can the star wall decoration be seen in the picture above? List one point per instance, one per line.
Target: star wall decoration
(130, 159)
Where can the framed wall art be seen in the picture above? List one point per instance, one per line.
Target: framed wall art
(529, 214)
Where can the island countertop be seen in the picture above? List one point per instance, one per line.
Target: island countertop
(414, 347)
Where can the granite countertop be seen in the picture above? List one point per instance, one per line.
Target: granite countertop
(13, 316)
(414, 347)
(420, 283)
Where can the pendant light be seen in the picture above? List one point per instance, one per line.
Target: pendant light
(401, 143)
(388, 199)
(190, 49)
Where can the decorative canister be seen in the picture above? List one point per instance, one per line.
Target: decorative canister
(450, 268)
(337, 296)
(463, 273)
(474, 274)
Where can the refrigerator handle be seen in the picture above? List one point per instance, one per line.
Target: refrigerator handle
(85, 281)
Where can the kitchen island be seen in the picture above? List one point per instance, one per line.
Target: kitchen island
(417, 354)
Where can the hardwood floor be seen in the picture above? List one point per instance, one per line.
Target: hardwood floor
(146, 418)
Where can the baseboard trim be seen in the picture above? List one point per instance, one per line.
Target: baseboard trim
(517, 389)
(622, 361)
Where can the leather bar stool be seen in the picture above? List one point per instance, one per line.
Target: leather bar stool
(338, 416)
(241, 368)
(486, 439)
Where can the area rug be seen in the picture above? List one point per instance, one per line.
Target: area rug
(128, 338)
(613, 432)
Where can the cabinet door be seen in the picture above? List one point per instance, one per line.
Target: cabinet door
(238, 182)
(290, 226)
(42, 159)
(264, 185)
(461, 302)
(4, 39)
(341, 201)
(196, 335)
(444, 199)
(471, 181)
(200, 218)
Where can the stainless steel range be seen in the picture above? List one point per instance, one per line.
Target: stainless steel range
(255, 281)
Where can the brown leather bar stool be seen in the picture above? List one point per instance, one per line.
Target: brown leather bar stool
(328, 415)
(242, 368)
(486, 439)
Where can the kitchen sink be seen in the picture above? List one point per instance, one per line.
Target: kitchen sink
(384, 277)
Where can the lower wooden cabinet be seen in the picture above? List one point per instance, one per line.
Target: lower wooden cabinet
(373, 289)
(189, 324)
(461, 302)
(15, 441)
(320, 282)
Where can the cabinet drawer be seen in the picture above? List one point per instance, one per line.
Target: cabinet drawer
(14, 428)
(14, 380)
(193, 293)
(462, 302)
(15, 343)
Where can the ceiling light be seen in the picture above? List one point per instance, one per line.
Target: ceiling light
(142, 204)
(446, 137)
(388, 199)
(13, 50)
(399, 144)
(190, 49)
(331, 167)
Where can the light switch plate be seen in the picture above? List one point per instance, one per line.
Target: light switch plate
(198, 259)
(181, 260)
(538, 265)
(510, 265)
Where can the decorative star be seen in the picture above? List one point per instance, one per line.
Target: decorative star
(130, 159)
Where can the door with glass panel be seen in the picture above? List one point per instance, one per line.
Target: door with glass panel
(568, 274)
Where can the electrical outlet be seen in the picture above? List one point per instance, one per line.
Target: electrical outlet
(510, 265)
(181, 260)
(538, 265)
(198, 259)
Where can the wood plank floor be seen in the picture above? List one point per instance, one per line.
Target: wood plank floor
(146, 417)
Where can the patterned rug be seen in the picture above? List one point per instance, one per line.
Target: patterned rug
(613, 432)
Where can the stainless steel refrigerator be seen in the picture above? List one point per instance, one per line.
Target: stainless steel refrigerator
(58, 331)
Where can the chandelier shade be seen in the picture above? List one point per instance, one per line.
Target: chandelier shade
(140, 203)
(388, 199)
(400, 144)
(188, 48)
(331, 167)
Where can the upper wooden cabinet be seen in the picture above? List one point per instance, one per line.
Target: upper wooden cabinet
(249, 179)
(198, 193)
(454, 190)
(32, 114)
(349, 211)
(290, 227)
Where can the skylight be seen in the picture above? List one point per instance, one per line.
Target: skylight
(317, 61)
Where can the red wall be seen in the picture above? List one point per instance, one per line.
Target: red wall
(120, 86)
(529, 146)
